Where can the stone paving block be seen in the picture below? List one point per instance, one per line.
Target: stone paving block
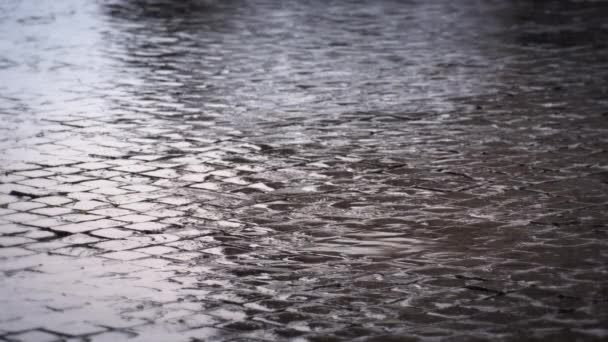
(25, 206)
(125, 255)
(198, 167)
(15, 325)
(35, 336)
(46, 222)
(118, 245)
(19, 166)
(141, 188)
(261, 187)
(53, 200)
(76, 328)
(157, 334)
(100, 183)
(38, 234)
(77, 251)
(162, 173)
(135, 168)
(155, 239)
(4, 199)
(72, 179)
(35, 173)
(153, 263)
(148, 157)
(63, 170)
(88, 205)
(132, 198)
(10, 178)
(159, 314)
(43, 183)
(77, 218)
(111, 212)
(79, 239)
(122, 162)
(6, 241)
(166, 163)
(112, 233)
(103, 174)
(68, 188)
(207, 186)
(81, 195)
(12, 228)
(132, 180)
(22, 217)
(192, 245)
(176, 221)
(135, 218)
(147, 226)
(163, 213)
(55, 163)
(112, 336)
(192, 233)
(4, 211)
(173, 200)
(110, 191)
(93, 166)
(225, 173)
(142, 206)
(195, 177)
(51, 211)
(45, 246)
(73, 228)
(205, 213)
(156, 250)
(183, 256)
(227, 224)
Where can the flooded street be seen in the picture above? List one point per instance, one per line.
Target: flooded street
(303, 171)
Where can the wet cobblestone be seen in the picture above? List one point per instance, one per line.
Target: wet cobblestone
(310, 171)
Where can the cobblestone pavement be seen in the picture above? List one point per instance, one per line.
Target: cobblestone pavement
(303, 171)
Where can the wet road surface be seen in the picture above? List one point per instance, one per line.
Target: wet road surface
(310, 171)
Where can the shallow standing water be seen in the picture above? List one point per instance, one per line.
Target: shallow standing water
(311, 171)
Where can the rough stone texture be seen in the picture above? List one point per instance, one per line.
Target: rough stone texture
(306, 171)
